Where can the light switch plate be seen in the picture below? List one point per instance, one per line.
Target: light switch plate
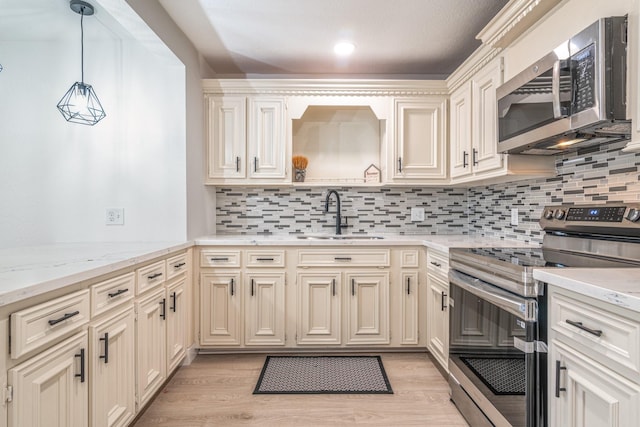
(417, 214)
(114, 216)
(514, 216)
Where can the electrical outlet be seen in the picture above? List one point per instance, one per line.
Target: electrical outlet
(417, 214)
(114, 216)
(514, 216)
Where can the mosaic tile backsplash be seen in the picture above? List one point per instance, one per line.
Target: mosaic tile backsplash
(596, 175)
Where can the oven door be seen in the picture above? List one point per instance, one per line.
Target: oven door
(492, 360)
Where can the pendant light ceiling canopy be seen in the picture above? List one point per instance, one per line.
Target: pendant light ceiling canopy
(81, 104)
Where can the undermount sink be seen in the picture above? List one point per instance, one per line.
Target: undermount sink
(338, 237)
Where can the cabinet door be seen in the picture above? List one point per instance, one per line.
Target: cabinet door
(484, 155)
(419, 148)
(264, 309)
(590, 395)
(409, 315)
(318, 308)
(176, 323)
(112, 370)
(476, 325)
(220, 307)
(52, 388)
(460, 131)
(267, 138)
(151, 361)
(368, 307)
(438, 319)
(226, 137)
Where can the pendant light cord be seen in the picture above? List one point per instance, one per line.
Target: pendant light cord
(82, 45)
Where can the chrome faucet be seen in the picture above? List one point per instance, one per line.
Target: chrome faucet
(326, 209)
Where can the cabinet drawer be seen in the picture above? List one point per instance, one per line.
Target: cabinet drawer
(343, 257)
(176, 265)
(603, 333)
(410, 258)
(438, 263)
(151, 276)
(265, 258)
(216, 258)
(40, 325)
(111, 293)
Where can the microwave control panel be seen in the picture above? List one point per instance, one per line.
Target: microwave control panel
(583, 71)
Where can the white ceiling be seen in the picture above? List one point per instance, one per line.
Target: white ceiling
(393, 38)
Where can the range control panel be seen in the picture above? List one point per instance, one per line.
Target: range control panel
(608, 218)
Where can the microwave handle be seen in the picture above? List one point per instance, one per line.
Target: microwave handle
(555, 90)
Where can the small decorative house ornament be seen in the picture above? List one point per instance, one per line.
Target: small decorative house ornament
(372, 174)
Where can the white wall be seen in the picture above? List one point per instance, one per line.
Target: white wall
(57, 178)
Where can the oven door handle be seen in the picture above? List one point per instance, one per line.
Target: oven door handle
(523, 308)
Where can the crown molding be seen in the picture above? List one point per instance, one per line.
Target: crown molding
(325, 87)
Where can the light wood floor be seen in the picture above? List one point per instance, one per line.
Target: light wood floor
(216, 390)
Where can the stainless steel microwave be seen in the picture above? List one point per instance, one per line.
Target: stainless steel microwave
(573, 97)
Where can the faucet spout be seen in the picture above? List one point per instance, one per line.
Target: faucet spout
(338, 215)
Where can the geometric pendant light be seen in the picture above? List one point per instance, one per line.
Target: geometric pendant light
(81, 104)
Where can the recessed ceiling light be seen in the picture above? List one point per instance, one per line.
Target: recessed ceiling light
(344, 48)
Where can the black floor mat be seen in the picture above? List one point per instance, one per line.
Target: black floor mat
(503, 375)
(322, 375)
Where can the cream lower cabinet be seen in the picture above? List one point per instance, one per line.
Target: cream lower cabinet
(264, 308)
(438, 306)
(52, 388)
(319, 307)
(367, 308)
(177, 310)
(151, 366)
(588, 394)
(112, 370)
(221, 309)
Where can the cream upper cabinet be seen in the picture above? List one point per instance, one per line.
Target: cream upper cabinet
(473, 123)
(52, 388)
(319, 307)
(246, 139)
(112, 370)
(367, 307)
(419, 149)
(264, 308)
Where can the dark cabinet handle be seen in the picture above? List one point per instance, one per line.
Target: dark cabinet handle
(579, 325)
(153, 276)
(437, 264)
(333, 284)
(237, 164)
(63, 318)
(465, 155)
(180, 265)
(220, 259)
(106, 348)
(443, 298)
(342, 258)
(558, 369)
(252, 287)
(174, 297)
(353, 287)
(118, 292)
(474, 157)
(400, 164)
(232, 287)
(255, 164)
(408, 285)
(163, 313)
(81, 356)
(265, 259)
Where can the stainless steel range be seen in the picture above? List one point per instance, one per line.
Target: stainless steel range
(498, 313)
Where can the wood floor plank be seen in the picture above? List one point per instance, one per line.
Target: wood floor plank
(216, 390)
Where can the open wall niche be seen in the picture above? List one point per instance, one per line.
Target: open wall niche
(340, 143)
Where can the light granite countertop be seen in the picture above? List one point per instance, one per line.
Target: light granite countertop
(617, 286)
(35, 270)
